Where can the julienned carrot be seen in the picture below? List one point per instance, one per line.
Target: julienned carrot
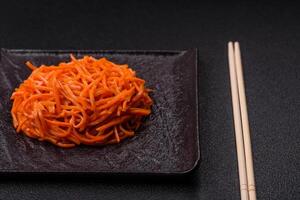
(85, 101)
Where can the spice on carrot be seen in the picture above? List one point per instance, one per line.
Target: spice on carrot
(85, 101)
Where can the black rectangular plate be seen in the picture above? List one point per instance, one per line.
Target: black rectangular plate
(166, 144)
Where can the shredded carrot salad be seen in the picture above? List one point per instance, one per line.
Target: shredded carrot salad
(85, 101)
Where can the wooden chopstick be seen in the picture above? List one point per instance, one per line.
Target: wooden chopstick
(238, 124)
(245, 122)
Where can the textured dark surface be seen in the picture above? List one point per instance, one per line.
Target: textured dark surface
(166, 143)
(270, 42)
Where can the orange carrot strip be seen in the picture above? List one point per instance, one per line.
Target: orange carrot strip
(30, 66)
(113, 122)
